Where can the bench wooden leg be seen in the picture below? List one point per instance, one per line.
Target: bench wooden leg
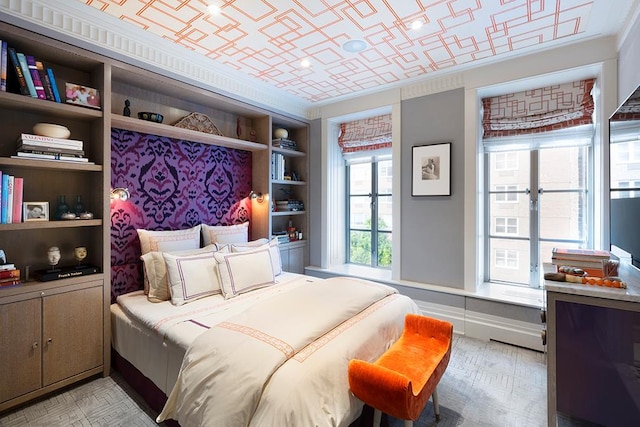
(377, 416)
(436, 405)
(408, 423)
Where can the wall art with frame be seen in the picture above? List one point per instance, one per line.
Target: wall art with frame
(431, 170)
(35, 211)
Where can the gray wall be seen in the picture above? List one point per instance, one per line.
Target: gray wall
(432, 227)
(629, 63)
(314, 206)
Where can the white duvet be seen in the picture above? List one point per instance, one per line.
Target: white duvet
(283, 361)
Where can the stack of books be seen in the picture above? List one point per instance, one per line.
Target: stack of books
(295, 205)
(284, 143)
(32, 77)
(11, 194)
(9, 275)
(588, 260)
(282, 236)
(47, 148)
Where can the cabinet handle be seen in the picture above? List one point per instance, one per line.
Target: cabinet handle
(49, 341)
(543, 336)
(35, 345)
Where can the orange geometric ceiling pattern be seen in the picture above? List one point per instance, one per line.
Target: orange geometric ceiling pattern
(268, 39)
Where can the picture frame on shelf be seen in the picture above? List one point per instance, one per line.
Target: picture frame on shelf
(82, 95)
(431, 170)
(35, 211)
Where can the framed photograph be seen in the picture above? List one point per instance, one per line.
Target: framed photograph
(431, 170)
(82, 95)
(35, 211)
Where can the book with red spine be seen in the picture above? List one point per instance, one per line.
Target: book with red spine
(18, 186)
(10, 274)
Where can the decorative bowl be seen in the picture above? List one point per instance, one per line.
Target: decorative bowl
(51, 130)
(151, 117)
(85, 215)
(68, 215)
(281, 133)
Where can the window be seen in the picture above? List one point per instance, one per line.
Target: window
(506, 193)
(369, 212)
(506, 161)
(506, 258)
(506, 225)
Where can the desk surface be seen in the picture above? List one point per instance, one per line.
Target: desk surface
(629, 274)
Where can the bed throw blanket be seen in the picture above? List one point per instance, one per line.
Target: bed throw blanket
(226, 369)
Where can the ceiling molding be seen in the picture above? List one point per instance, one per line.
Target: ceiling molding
(433, 85)
(76, 23)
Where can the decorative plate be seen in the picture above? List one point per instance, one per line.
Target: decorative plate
(199, 122)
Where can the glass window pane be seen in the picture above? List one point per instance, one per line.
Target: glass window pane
(384, 250)
(360, 178)
(510, 218)
(384, 213)
(360, 212)
(563, 168)
(509, 260)
(360, 247)
(384, 177)
(563, 216)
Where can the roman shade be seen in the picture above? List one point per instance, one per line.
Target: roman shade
(370, 134)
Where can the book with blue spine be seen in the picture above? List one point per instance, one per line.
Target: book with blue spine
(27, 74)
(4, 200)
(54, 86)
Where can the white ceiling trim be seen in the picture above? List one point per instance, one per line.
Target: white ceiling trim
(74, 22)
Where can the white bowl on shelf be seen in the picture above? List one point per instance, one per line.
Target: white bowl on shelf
(51, 130)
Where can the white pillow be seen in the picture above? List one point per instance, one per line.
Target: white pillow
(241, 272)
(225, 234)
(273, 247)
(167, 241)
(191, 277)
(155, 270)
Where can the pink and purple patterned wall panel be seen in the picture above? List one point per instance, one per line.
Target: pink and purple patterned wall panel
(174, 184)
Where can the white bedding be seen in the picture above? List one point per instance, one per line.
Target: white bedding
(308, 386)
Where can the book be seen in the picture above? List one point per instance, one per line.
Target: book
(46, 83)
(10, 281)
(596, 264)
(18, 188)
(17, 69)
(3, 66)
(50, 156)
(580, 254)
(35, 76)
(22, 59)
(54, 86)
(11, 181)
(11, 274)
(47, 141)
(5, 198)
(49, 150)
(65, 272)
(7, 266)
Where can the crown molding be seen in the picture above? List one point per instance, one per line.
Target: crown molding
(76, 23)
(432, 85)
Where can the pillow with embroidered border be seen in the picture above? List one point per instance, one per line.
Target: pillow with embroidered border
(241, 272)
(191, 277)
(272, 245)
(225, 234)
(155, 270)
(167, 241)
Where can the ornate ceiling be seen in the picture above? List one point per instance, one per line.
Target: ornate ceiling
(268, 39)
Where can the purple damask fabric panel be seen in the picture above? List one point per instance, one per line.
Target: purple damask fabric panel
(174, 184)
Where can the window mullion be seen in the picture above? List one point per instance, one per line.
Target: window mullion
(374, 214)
(534, 219)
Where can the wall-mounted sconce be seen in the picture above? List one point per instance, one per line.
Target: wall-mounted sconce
(120, 194)
(256, 196)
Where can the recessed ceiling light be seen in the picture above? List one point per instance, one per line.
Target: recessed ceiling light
(354, 46)
(416, 25)
(305, 63)
(214, 9)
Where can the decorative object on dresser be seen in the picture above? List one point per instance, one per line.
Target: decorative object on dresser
(588, 260)
(126, 111)
(199, 122)
(51, 130)
(62, 207)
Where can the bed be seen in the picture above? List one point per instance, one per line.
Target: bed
(276, 355)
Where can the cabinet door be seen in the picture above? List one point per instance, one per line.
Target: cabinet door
(20, 348)
(284, 258)
(72, 333)
(296, 260)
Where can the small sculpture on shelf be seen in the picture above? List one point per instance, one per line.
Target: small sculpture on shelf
(79, 254)
(53, 254)
(126, 111)
(62, 208)
(238, 128)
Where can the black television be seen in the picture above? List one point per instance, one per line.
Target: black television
(624, 171)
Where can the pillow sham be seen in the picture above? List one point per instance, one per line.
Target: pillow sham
(191, 277)
(241, 272)
(155, 270)
(273, 247)
(225, 234)
(167, 241)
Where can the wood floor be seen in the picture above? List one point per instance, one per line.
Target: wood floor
(486, 384)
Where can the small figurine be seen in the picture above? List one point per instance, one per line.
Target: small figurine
(126, 111)
(253, 135)
(54, 257)
(80, 253)
(238, 128)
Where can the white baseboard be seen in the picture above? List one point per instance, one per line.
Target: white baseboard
(487, 327)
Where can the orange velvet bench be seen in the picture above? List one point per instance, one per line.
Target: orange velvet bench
(400, 382)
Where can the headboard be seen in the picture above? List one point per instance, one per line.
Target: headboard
(174, 184)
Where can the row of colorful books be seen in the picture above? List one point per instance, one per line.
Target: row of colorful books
(9, 275)
(32, 77)
(11, 195)
(47, 148)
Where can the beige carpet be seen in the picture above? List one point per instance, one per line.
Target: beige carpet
(486, 384)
